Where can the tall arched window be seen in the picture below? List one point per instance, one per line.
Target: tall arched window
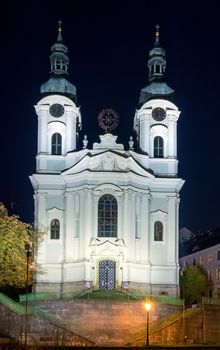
(56, 144)
(158, 231)
(107, 216)
(158, 147)
(55, 229)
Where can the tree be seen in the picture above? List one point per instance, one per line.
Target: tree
(13, 261)
(193, 283)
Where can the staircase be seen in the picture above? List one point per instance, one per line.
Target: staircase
(106, 323)
(44, 328)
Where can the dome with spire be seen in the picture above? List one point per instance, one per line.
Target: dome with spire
(157, 87)
(59, 61)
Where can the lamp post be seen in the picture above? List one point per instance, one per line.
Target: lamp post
(148, 307)
(182, 272)
(27, 248)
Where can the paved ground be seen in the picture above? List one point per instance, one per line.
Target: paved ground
(14, 346)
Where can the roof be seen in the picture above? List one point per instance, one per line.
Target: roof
(199, 242)
(156, 89)
(59, 85)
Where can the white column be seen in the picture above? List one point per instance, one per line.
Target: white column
(71, 132)
(120, 202)
(126, 225)
(96, 197)
(42, 225)
(144, 132)
(69, 226)
(76, 240)
(177, 240)
(82, 224)
(131, 218)
(171, 230)
(144, 227)
(88, 220)
(172, 138)
(42, 134)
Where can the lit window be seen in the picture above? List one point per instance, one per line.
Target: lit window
(158, 147)
(107, 216)
(55, 229)
(158, 231)
(209, 273)
(201, 259)
(217, 273)
(209, 258)
(218, 255)
(56, 144)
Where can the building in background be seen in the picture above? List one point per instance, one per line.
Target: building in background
(111, 213)
(204, 250)
(185, 234)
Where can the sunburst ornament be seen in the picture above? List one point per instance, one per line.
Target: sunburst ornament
(108, 119)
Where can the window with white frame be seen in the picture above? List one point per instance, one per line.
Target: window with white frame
(209, 258)
(201, 259)
(56, 144)
(107, 216)
(217, 273)
(158, 231)
(158, 147)
(209, 273)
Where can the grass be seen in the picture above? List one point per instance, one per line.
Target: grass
(107, 294)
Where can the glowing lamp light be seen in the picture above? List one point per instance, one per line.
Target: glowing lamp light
(148, 306)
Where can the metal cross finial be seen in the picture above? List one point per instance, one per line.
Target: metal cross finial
(157, 27)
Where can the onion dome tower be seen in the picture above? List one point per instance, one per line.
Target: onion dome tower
(157, 87)
(59, 119)
(59, 61)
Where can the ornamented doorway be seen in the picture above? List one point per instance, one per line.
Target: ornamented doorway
(107, 274)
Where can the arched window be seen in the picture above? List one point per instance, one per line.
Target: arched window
(157, 68)
(158, 231)
(55, 229)
(158, 147)
(56, 144)
(107, 216)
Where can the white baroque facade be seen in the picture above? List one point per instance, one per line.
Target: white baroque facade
(110, 214)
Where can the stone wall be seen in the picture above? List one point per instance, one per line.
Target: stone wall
(111, 323)
(105, 322)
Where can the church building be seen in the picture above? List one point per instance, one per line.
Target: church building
(110, 213)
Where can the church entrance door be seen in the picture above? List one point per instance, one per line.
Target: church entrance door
(107, 274)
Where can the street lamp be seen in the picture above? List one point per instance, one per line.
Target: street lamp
(27, 248)
(182, 272)
(148, 307)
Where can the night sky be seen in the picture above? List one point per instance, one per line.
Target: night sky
(108, 50)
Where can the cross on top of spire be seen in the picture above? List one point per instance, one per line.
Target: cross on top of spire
(157, 27)
(157, 43)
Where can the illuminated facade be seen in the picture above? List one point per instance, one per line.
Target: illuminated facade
(110, 214)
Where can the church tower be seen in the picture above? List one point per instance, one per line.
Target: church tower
(110, 214)
(59, 118)
(156, 121)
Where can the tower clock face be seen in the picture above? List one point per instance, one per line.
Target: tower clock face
(159, 114)
(56, 110)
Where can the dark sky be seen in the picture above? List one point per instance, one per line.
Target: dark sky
(108, 45)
